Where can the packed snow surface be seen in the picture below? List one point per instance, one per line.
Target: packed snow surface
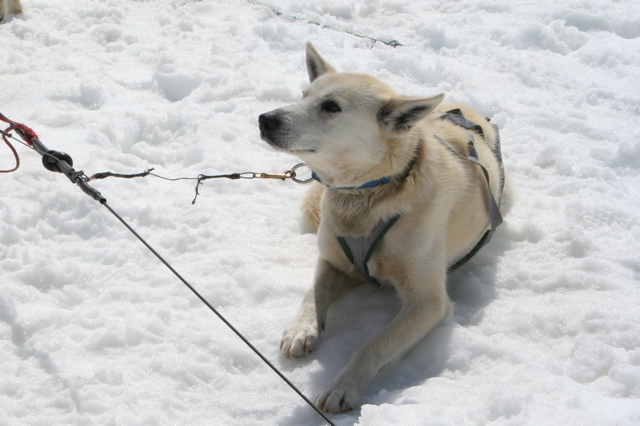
(94, 330)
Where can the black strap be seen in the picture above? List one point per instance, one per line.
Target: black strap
(457, 117)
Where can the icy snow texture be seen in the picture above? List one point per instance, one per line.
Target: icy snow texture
(94, 330)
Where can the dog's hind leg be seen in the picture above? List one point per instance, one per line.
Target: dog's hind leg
(303, 334)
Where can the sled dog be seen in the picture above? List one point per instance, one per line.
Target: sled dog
(383, 160)
(9, 6)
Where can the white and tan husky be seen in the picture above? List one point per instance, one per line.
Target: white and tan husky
(383, 159)
(9, 6)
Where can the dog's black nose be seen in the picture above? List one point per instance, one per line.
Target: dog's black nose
(268, 122)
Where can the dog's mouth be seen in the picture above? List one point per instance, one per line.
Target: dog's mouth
(284, 145)
(294, 151)
(302, 151)
(267, 139)
(280, 147)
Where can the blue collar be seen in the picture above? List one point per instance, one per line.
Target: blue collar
(370, 184)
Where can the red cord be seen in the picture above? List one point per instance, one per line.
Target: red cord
(15, 153)
(27, 134)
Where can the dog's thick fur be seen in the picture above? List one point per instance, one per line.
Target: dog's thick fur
(9, 6)
(351, 129)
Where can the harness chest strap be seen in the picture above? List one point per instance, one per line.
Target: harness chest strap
(359, 249)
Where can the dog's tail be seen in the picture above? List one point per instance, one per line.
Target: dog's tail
(311, 205)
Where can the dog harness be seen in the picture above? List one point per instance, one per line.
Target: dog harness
(359, 249)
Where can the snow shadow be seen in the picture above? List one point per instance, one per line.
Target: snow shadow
(364, 312)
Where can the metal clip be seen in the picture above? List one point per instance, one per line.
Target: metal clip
(281, 176)
(289, 174)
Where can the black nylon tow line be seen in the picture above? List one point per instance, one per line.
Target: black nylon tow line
(218, 314)
(62, 163)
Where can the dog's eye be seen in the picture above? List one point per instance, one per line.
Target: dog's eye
(330, 106)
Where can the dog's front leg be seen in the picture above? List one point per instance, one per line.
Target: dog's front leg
(422, 309)
(303, 334)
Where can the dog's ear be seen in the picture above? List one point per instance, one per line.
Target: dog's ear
(402, 113)
(316, 66)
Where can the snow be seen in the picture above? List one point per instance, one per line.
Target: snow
(94, 330)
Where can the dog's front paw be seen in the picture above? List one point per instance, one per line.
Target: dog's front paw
(300, 339)
(339, 396)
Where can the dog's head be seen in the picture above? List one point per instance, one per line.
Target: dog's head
(349, 128)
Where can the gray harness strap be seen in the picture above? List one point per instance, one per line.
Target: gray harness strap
(495, 218)
(359, 249)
